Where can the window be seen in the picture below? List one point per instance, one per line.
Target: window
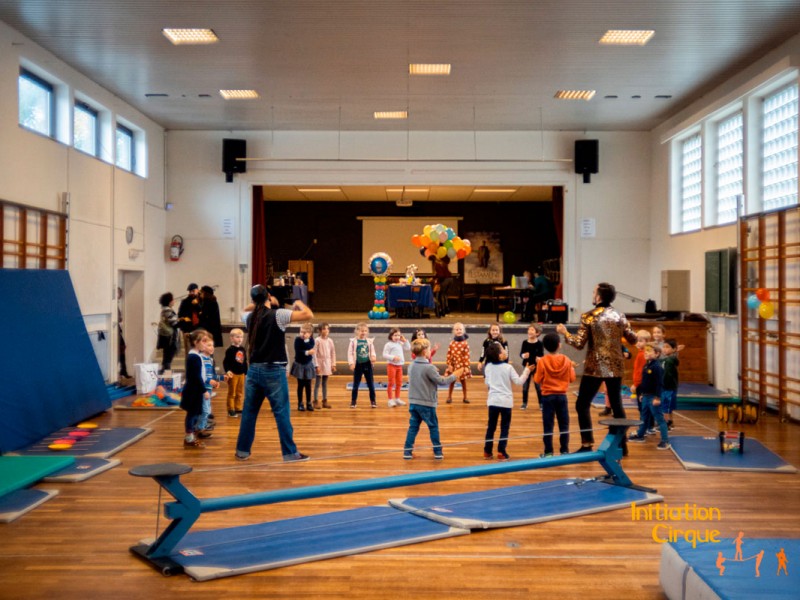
(36, 103)
(779, 149)
(86, 131)
(730, 167)
(691, 183)
(125, 156)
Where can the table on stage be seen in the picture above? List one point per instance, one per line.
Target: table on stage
(506, 298)
(422, 294)
(286, 293)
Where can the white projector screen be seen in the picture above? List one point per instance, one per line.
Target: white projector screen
(392, 235)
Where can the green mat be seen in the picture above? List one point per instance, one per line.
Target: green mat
(17, 472)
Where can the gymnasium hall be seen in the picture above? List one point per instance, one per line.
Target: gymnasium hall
(342, 154)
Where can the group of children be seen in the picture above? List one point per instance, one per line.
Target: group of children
(655, 380)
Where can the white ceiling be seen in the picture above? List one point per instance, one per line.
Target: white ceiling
(329, 64)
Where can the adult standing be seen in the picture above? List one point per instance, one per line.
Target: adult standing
(601, 331)
(266, 376)
(209, 314)
(189, 314)
(167, 331)
(442, 283)
(541, 291)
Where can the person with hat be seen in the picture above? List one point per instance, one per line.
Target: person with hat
(266, 376)
(189, 314)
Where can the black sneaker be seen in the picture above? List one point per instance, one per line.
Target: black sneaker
(663, 446)
(408, 455)
(374, 404)
(636, 438)
(296, 457)
(438, 456)
(546, 454)
(233, 414)
(300, 407)
(242, 456)
(524, 407)
(352, 405)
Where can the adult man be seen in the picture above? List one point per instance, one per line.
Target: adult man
(189, 314)
(266, 376)
(601, 330)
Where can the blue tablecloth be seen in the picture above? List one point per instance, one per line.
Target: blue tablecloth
(424, 295)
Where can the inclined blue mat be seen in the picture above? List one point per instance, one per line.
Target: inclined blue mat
(82, 469)
(688, 572)
(64, 385)
(100, 443)
(599, 401)
(226, 552)
(524, 504)
(16, 504)
(702, 453)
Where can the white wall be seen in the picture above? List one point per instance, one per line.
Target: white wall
(103, 200)
(616, 197)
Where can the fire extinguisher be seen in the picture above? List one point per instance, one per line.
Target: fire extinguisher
(176, 248)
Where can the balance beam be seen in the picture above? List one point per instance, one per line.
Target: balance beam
(187, 508)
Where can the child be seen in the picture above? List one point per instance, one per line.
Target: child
(493, 335)
(659, 331)
(326, 364)
(531, 351)
(420, 333)
(360, 356)
(235, 365)
(303, 366)
(499, 375)
(393, 353)
(194, 390)
(206, 421)
(554, 372)
(650, 392)
(458, 359)
(642, 339)
(423, 382)
(669, 395)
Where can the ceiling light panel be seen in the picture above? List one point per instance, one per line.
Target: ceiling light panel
(575, 94)
(238, 94)
(391, 114)
(428, 69)
(190, 36)
(627, 37)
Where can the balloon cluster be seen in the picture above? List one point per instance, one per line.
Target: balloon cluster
(760, 302)
(380, 264)
(440, 241)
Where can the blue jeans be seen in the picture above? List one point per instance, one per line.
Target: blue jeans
(365, 369)
(422, 414)
(527, 386)
(648, 410)
(555, 406)
(202, 418)
(669, 401)
(266, 380)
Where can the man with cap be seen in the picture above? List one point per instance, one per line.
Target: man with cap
(189, 314)
(266, 375)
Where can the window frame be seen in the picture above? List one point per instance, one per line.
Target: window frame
(47, 86)
(129, 134)
(85, 107)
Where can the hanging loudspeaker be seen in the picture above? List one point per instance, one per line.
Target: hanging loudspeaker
(231, 150)
(586, 158)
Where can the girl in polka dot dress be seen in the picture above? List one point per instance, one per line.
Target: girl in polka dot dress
(457, 358)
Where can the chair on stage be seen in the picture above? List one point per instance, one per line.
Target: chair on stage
(408, 308)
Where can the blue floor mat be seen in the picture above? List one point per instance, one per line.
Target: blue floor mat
(688, 572)
(100, 443)
(702, 453)
(524, 504)
(225, 552)
(82, 469)
(16, 504)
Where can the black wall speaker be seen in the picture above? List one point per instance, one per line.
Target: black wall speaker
(586, 158)
(231, 150)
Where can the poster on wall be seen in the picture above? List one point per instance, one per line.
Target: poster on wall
(485, 263)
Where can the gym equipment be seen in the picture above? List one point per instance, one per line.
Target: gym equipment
(187, 508)
(703, 454)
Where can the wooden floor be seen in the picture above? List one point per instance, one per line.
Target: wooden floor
(76, 545)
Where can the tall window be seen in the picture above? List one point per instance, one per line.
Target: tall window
(779, 149)
(125, 157)
(730, 167)
(87, 132)
(36, 103)
(691, 181)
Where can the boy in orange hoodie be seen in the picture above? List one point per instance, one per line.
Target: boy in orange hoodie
(554, 372)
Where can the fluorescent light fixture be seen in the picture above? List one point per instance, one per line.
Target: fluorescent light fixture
(190, 36)
(428, 69)
(627, 37)
(391, 114)
(495, 191)
(575, 94)
(238, 94)
(319, 190)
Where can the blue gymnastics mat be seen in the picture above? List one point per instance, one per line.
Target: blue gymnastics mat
(687, 572)
(225, 552)
(100, 443)
(64, 385)
(524, 504)
(82, 469)
(702, 454)
(19, 502)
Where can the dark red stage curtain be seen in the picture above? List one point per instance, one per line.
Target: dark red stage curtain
(259, 269)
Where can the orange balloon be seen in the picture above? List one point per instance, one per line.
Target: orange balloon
(762, 294)
(415, 240)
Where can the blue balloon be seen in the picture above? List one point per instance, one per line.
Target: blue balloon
(378, 265)
(753, 301)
